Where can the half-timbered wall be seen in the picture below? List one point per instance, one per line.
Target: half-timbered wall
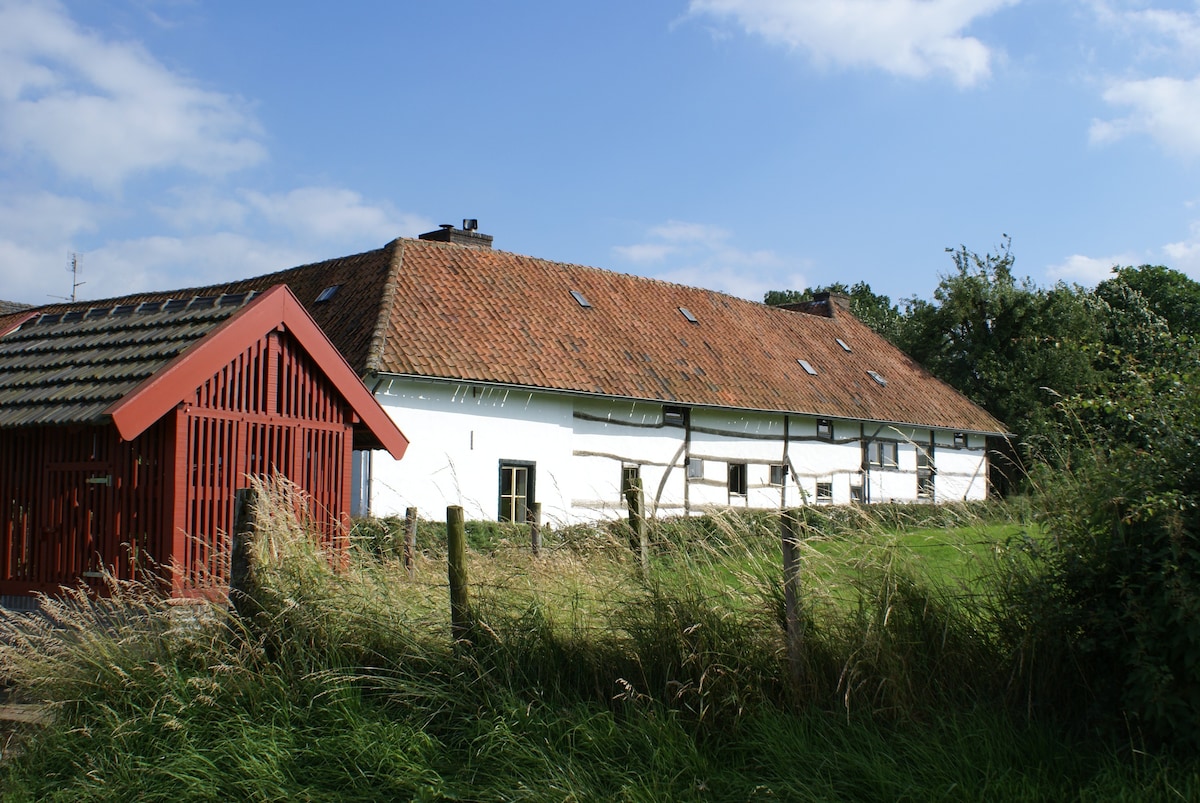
(580, 450)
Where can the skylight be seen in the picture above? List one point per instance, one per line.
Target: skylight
(807, 366)
(878, 378)
(327, 293)
(842, 343)
(583, 302)
(687, 313)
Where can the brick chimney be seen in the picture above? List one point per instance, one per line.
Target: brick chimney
(468, 235)
(824, 305)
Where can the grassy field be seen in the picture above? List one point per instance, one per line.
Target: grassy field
(582, 679)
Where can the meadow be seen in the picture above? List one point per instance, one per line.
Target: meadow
(584, 676)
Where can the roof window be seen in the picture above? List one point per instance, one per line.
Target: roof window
(842, 343)
(878, 378)
(807, 366)
(579, 297)
(327, 293)
(687, 313)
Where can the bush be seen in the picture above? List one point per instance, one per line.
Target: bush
(1116, 590)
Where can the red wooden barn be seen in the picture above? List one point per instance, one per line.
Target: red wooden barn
(126, 431)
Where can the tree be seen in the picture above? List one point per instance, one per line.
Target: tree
(1009, 346)
(1169, 293)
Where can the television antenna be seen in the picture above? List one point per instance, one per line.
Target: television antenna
(75, 269)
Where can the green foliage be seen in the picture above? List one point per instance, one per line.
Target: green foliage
(1117, 593)
(1170, 294)
(584, 682)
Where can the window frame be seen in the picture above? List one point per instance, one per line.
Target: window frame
(880, 449)
(779, 473)
(824, 491)
(739, 479)
(926, 471)
(528, 499)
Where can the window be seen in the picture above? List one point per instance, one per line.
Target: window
(960, 440)
(824, 491)
(878, 377)
(630, 476)
(695, 468)
(778, 474)
(516, 490)
(842, 343)
(327, 293)
(807, 366)
(883, 454)
(687, 313)
(824, 428)
(675, 416)
(581, 299)
(925, 472)
(856, 493)
(737, 479)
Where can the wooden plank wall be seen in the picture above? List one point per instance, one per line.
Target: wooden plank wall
(77, 500)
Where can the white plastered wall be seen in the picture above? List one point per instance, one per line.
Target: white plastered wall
(459, 433)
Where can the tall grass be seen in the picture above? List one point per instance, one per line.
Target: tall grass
(584, 679)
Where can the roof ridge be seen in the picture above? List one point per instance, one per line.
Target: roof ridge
(383, 319)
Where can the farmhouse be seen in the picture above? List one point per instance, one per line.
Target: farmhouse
(526, 381)
(127, 428)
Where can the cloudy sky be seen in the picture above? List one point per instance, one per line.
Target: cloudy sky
(741, 145)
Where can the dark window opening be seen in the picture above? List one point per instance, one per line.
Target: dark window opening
(824, 428)
(516, 491)
(824, 491)
(925, 472)
(778, 474)
(960, 440)
(631, 476)
(675, 416)
(738, 479)
(856, 493)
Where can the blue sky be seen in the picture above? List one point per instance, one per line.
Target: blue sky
(741, 145)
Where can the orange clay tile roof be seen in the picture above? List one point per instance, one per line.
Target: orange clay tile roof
(445, 311)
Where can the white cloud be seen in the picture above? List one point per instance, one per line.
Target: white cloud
(1156, 32)
(1166, 109)
(643, 253)
(102, 111)
(912, 38)
(735, 280)
(165, 263)
(1088, 270)
(701, 256)
(1185, 255)
(46, 218)
(335, 215)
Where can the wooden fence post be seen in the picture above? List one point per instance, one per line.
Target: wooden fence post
(241, 570)
(410, 539)
(793, 529)
(639, 540)
(456, 551)
(535, 528)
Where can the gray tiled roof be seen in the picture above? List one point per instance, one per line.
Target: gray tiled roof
(12, 306)
(70, 366)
